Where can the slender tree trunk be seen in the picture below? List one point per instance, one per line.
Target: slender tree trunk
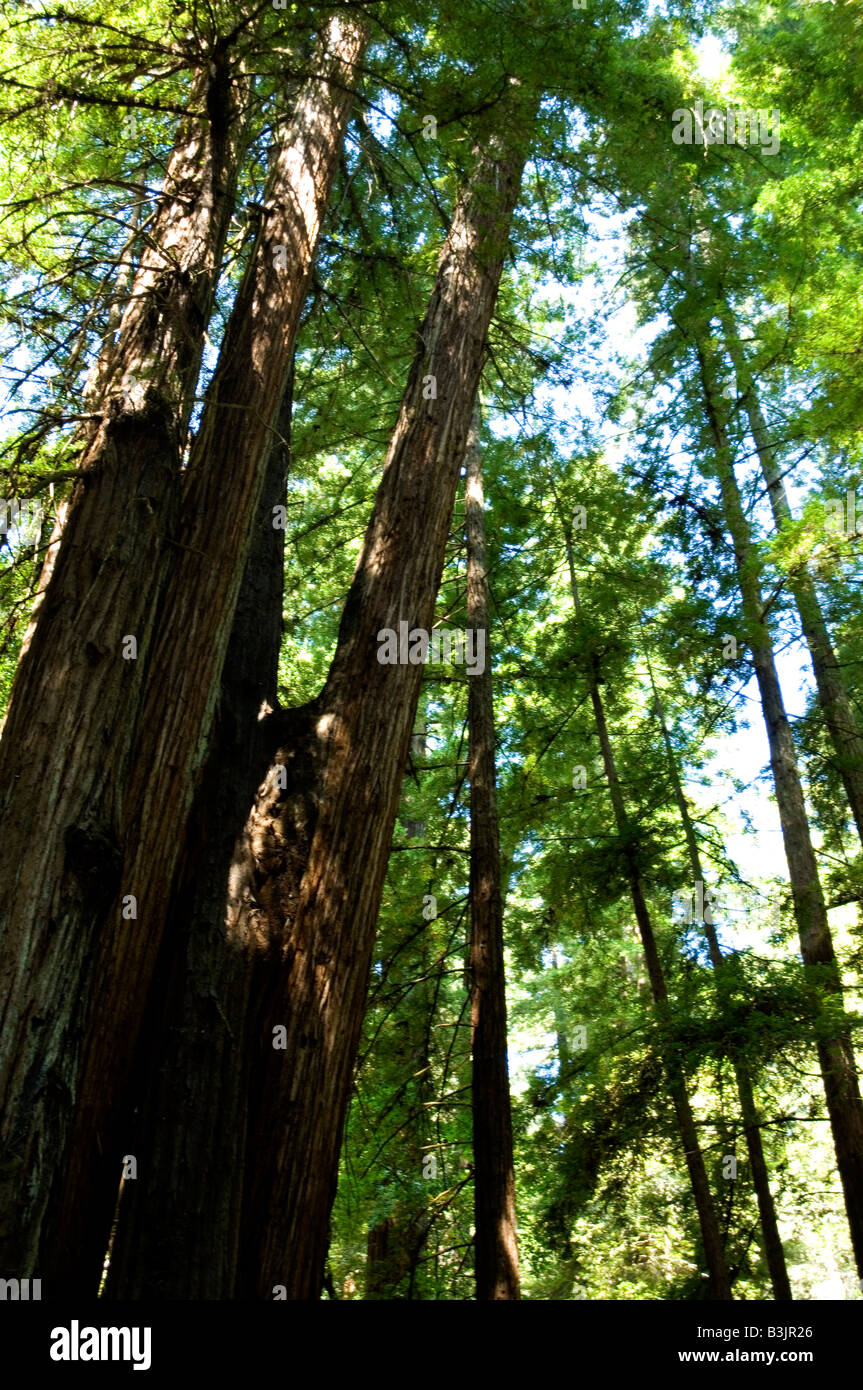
(227, 464)
(72, 716)
(836, 1054)
(178, 1232)
(838, 711)
(564, 1056)
(714, 1252)
(773, 1251)
(319, 847)
(495, 1241)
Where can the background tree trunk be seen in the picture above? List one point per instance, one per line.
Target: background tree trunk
(711, 1239)
(772, 1243)
(495, 1242)
(835, 1054)
(833, 698)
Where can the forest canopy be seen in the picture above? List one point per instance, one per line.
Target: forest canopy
(431, 542)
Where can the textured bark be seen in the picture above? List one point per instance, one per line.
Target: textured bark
(178, 1232)
(320, 846)
(227, 467)
(495, 1242)
(74, 707)
(771, 1240)
(839, 716)
(711, 1239)
(836, 1054)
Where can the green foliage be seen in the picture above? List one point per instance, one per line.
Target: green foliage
(596, 452)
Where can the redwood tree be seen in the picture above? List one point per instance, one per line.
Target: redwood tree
(117, 920)
(711, 1237)
(318, 845)
(178, 1228)
(495, 1242)
(835, 1046)
(74, 693)
(771, 1239)
(838, 710)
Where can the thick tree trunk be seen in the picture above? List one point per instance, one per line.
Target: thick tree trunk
(178, 1232)
(319, 848)
(495, 1241)
(833, 698)
(836, 1054)
(227, 464)
(714, 1251)
(772, 1243)
(72, 717)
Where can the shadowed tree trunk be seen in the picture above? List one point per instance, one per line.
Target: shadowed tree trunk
(495, 1242)
(772, 1243)
(711, 1239)
(190, 636)
(836, 1053)
(178, 1231)
(838, 711)
(386, 1259)
(72, 716)
(394, 1245)
(319, 846)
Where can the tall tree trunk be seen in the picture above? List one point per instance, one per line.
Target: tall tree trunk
(772, 1243)
(72, 716)
(319, 848)
(714, 1252)
(836, 1053)
(833, 698)
(178, 1231)
(495, 1241)
(228, 461)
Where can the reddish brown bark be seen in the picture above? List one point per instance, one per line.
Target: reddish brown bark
(495, 1241)
(319, 849)
(179, 1223)
(227, 466)
(72, 717)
